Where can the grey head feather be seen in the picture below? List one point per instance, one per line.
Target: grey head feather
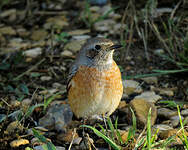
(82, 59)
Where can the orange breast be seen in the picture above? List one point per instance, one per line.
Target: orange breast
(95, 92)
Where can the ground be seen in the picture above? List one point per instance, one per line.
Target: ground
(38, 43)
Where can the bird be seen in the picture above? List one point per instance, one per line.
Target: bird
(94, 83)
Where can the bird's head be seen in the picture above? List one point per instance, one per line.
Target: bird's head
(97, 52)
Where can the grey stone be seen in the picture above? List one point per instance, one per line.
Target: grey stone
(184, 112)
(57, 117)
(162, 127)
(34, 52)
(149, 96)
(175, 120)
(167, 113)
(150, 80)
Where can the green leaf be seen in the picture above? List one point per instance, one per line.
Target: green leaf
(24, 89)
(39, 136)
(35, 74)
(139, 143)
(31, 109)
(20, 98)
(185, 141)
(4, 66)
(9, 88)
(111, 128)
(103, 130)
(28, 148)
(108, 140)
(117, 132)
(132, 130)
(51, 146)
(2, 117)
(49, 100)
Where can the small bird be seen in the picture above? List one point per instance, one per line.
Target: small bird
(94, 81)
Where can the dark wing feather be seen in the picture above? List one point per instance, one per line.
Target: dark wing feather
(71, 74)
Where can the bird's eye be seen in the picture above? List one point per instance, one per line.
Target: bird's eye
(97, 47)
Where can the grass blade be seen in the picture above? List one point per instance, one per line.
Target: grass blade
(108, 140)
(148, 137)
(182, 127)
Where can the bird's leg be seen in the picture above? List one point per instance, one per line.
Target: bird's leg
(104, 119)
(84, 123)
(107, 134)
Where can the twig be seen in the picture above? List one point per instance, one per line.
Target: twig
(174, 10)
(34, 93)
(138, 139)
(91, 142)
(49, 13)
(123, 25)
(32, 68)
(5, 102)
(74, 133)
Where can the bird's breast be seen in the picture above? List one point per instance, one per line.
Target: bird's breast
(91, 88)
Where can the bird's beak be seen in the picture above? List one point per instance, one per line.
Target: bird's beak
(115, 47)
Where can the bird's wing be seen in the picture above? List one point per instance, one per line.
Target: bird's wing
(71, 74)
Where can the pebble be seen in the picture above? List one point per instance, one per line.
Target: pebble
(162, 127)
(33, 53)
(175, 120)
(7, 13)
(15, 103)
(104, 25)
(150, 80)
(57, 85)
(52, 91)
(17, 44)
(106, 9)
(57, 117)
(14, 126)
(66, 53)
(7, 31)
(116, 28)
(164, 91)
(167, 113)
(78, 32)
(40, 147)
(159, 51)
(124, 135)
(68, 136)
(184, 112)
(17, 143)
(172, 132)
(186, 120)
(149, 96)
(131, 86)
(81, 37)
(45, 78)
(167, 92)
(141, 108)
(39, 35)
(26, 102)
(22, 32)
(95, 9)
(74, 46)
(56, 22)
